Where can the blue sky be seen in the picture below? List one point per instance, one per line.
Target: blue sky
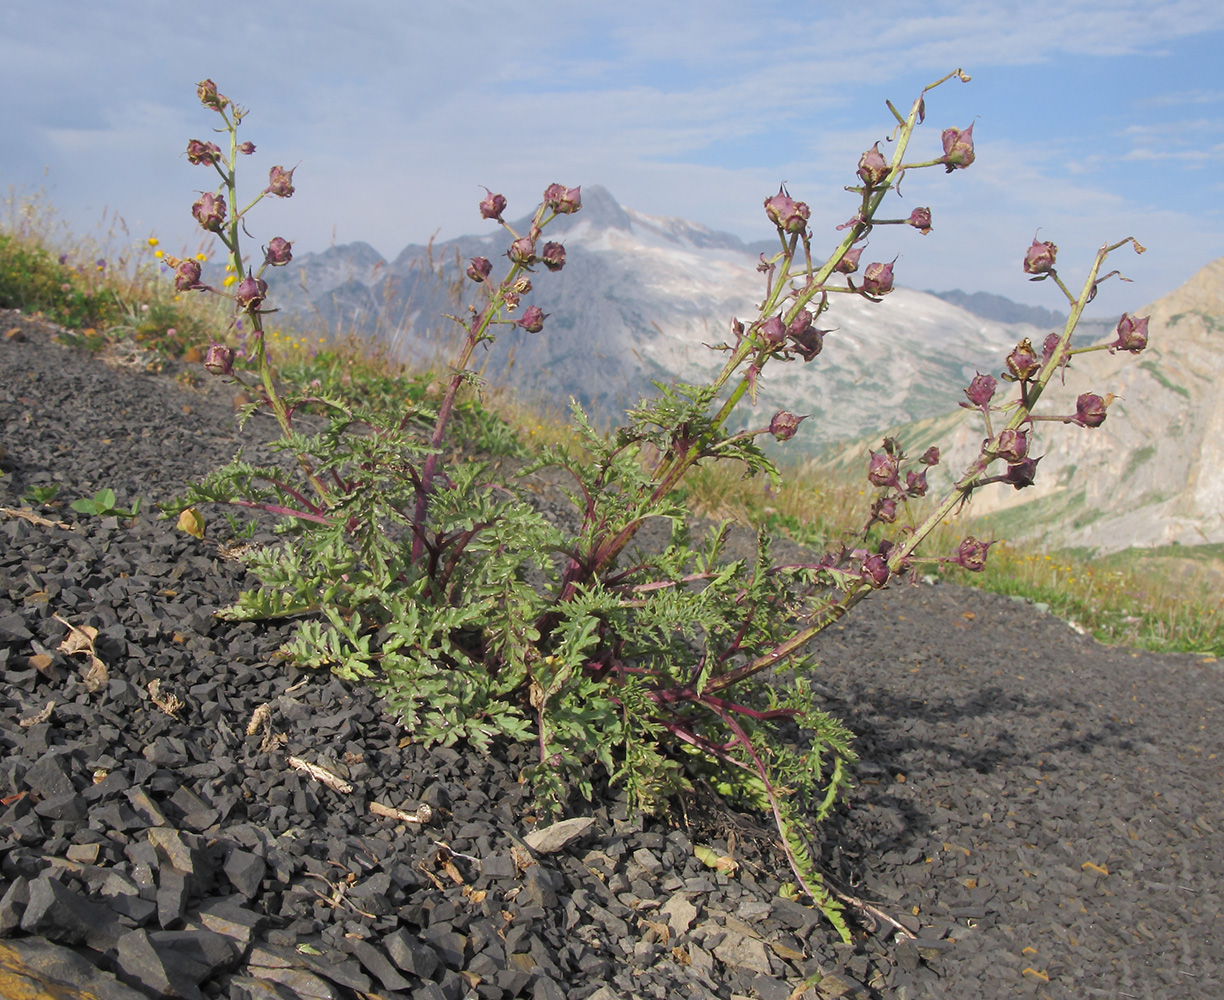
(1094, 120)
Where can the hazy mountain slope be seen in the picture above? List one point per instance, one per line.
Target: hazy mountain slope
(1153, 473)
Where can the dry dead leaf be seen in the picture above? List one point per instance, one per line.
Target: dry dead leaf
(192, 522)
(80, 642)
(260, 718)
(712, 859)
(39, 717)
(170, 704)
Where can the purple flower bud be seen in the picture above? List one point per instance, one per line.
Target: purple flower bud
(884, 509)
(850, 261)
(206, 91)
(1040, 257)
(200, 152)
(209, 211)
(1012, 445)
(872, 168)
(567, 202)
(875, 570)
(479, 269)
(809, 343)
(522, 250)
(1022, 473)
(971, 554)
(251, 292)
(981, 390)
(920, 219)
(219, 359)
(187, 275)
(784, 424)
(773, 330)
(1090, 409)
(1049, 346)
(511, 299)
(930, 456)
(878, 278)
(958, 148)
(882, 469)
(788, 215)
(533, 319)
(278, 252)
(916, 483)
(246, 148)
(1023, 362)
(492, 206)
(280, 182)
(1132, 334)
(800, 324)
(553, 256)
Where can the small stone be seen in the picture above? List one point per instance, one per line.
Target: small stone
(135, 908)
(648, 860)
(411, 954)
(545, 988)
(792, 914)
(68, 806)
(304, 985)
(83, 854)
(156, 970)
(182, 853)
(540, 887)
(680, 914)
(497, 866)
(559, 836)
(245, 872)
(744, 953)
(146, 808)
(39, 969)
(835, 985)
(376, 963)
(13, 905)
(172, 894)
(56, 912)
(245, 988)
(448, 944)
(769, 988)
(48, 777)
(224, 916)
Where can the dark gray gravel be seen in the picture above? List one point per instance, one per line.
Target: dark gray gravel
(1046, 813)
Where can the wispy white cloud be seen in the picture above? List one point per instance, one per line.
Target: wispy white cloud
(398, 112)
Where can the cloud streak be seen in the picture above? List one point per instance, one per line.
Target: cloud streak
(398, 113)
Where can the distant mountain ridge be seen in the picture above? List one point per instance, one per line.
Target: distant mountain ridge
(1002, 310)
(1151, 474)
(639, 299)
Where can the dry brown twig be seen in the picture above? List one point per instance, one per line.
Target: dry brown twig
(321, 774)
(170, 704)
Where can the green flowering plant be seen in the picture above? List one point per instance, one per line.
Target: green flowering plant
(480, 618)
